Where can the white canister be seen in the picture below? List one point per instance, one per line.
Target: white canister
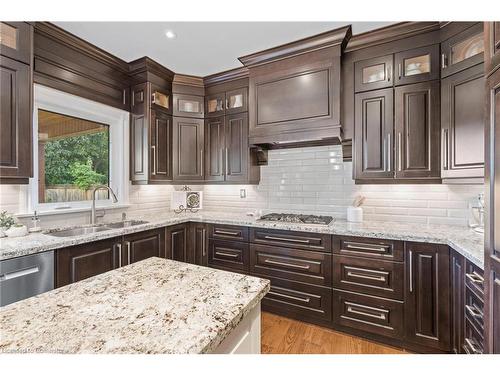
(354, 214)
(17, 231)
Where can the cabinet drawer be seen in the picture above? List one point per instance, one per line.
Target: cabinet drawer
(299, 301)
(369, 247)
(229, 255)
(228, 232)
(297, 265)
(474, 339)
(474, 308)
(371, 314)
(474, 278)
(297, 240)
(370, 276)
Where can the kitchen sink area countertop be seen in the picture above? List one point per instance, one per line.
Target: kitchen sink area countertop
(153, 306)
(463, 239)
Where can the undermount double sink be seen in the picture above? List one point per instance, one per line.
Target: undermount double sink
(95, 228)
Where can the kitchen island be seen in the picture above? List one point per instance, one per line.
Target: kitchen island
(155, 306)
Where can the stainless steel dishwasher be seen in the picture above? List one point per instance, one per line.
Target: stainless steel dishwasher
(26, 276)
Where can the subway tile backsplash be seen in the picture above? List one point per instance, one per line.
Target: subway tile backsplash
(309, 180)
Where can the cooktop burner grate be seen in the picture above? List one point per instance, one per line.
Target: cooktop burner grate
(297, 218)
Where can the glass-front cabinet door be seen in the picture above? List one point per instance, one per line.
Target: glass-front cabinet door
(462, 50)
(417, 65)
(237, 101)
(215, 105)
(373, 73)
(188, 106)
(15, 41)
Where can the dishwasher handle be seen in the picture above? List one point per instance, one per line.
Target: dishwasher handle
(19, 273)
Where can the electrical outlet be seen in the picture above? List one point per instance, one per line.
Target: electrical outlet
(243, 193)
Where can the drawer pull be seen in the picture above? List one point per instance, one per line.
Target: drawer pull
(224, 254)
(362, 276)
(471, 347)
(475, 278)
(286, 239)
(268, 261)
(227, 233)
(360, 246)
(474, 312)
(19, 273)
(305, 300)
(355, 309)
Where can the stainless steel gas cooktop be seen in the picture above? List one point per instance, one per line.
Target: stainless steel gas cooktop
(297, 218)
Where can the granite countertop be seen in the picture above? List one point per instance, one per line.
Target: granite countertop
(153, 306)
(462, 239)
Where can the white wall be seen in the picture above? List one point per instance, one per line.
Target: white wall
(310, 180)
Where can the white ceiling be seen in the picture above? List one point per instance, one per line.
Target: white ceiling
(200, 48)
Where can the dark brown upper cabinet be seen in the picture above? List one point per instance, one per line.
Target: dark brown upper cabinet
(15, 122)
(226, 148)
(416, 65)
(491, 46)
(188, 148)
(16, 41)
(161, 146)
(225, 103)
(188, 105)
(16, 54)
(374, 135)
(462, 124)
(427, 296)
(372, 74)
(417, 130)
(462, 50)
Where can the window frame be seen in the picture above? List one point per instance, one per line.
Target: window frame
(71, 105)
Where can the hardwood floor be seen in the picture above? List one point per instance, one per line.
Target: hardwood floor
(286, 336)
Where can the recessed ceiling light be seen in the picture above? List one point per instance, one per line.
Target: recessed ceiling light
(170, 34)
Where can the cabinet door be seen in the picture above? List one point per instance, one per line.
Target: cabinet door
(80, 262)
(373, 73)
(15, 121)
(237, 152)
(457, 302)
(427, 302)
(177, 243)
(462, 124)
(16, 41)
(237, 101)
(161, 146)
(214, 149)
(374, 133)
(188, 105)
(188, 149)
(215, 105)
(462, 50)
(417, 130)
(198, 244)
(492, 46)
(417, 65)
(143, 245)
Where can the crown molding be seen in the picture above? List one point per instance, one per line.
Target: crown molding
(226, 76)
(337, 37)
(146, 64)
(188, 80)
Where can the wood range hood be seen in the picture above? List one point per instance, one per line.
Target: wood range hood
(294, 92)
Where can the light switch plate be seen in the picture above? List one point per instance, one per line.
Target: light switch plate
(243, 193)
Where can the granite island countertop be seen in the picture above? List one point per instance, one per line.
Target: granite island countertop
(463, 239)
(153, 306)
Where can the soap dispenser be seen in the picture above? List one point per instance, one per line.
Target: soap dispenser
(35, 220)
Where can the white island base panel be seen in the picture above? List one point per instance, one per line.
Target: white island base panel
(245, 338)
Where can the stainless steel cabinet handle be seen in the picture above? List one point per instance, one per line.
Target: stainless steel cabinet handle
(119, 246)
(399, 70)
(443, 61)
(226, 254)
(227, 233)
(445, 148)
(388, 72)
(201, 161)
(227, 104)
(389, 152)
(410, 254)
(153, 148)
(366, 247)
(380, 316)
(123, 97)
(362, 276)
(305, 300)
(285, 239)
(203, 247)
(19, 273)
(400, 151)
(475, 278)
(474, 312)
(127, 243)
(291, 265)
(227, 162)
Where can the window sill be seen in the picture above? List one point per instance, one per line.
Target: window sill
(72, 210)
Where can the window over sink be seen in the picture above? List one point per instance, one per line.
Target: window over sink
(78, 144)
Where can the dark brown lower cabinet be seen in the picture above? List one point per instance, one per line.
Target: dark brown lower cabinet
(427, 296)
(457, 302)
(177, 242)
(83, 261)
(143, 245)
(228, 255)
(198, 237)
